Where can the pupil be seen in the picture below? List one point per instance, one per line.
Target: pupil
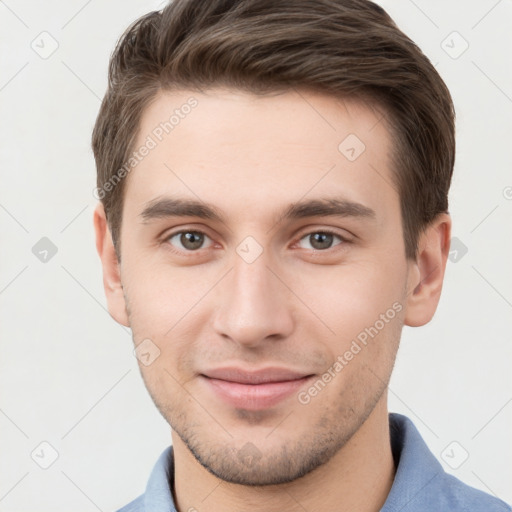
(191, 240)
(321, 240)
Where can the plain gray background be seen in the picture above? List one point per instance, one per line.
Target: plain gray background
(68, 374)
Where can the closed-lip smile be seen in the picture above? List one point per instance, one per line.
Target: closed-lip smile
(254, 389)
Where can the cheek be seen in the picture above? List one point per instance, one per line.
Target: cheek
(162, 298)
(165, 307)
(350, 298)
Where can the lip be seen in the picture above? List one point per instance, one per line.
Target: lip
(254, 389)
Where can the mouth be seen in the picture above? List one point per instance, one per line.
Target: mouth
(256, 389)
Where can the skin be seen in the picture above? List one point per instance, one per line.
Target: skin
(296, 306)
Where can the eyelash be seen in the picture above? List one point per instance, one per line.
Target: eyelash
(166, 238)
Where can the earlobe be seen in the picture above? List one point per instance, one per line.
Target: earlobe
(111, 270)
(426, 274)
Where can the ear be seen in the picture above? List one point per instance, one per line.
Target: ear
(426, 273)
(111, 269)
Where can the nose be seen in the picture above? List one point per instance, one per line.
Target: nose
(254, 304)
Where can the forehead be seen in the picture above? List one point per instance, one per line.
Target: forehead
(247, 152)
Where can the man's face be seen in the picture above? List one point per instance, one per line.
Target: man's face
(260, 286)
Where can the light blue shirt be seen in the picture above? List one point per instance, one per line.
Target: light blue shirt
(420, 485)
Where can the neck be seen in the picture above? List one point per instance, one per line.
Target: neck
(358, 477)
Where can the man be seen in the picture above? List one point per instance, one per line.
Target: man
(273, 180)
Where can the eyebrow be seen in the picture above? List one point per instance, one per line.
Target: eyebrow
(165, 207)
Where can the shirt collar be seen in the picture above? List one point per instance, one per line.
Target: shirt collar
(417, 470)
(158, 496)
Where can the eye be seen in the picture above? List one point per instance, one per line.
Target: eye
(189, 240)
(320, 240)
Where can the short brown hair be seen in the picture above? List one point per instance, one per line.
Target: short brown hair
(345, 48)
